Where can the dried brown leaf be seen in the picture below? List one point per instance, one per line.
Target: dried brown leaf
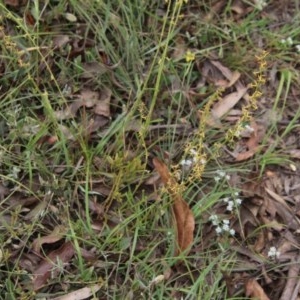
(229, 75)
(96, 207)
(184, 218)
(223, 106)
(15, 3)
(36, 211)
(234, 78)
(224, 70)
(254, 290)
(102, 107)
(214, 10)
(4, 191)
(61, 40)
(80, 294)
(295, 153)
(225, 83)
(238, 7)
(291, 289)
(179, 49)
(278, 198)
(56, 235)
(245, 155)
(92, 69)
(96, 123)
(66, 132)
(260, 242)
(252, 144)
(43, 272)
(248, 218)
(253, 141)
(249, 253)
(88, 98)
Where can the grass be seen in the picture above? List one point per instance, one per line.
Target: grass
(93, 186)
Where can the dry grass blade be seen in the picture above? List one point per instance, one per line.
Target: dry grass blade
(184, 218)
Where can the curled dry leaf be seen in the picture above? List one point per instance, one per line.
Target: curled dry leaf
(56, 235)
(254, 290)
(184, 218)
(43, 272)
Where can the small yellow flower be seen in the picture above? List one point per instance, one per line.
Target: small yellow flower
(189, 56)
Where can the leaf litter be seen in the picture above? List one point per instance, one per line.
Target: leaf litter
(268, 216)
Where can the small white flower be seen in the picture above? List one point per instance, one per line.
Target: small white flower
(298, 48)
(214, 219)
(236, 194)
(273, 253)
(221, 173)
(202, 160)
(217, 178)
(157, 279)
(260, 4)
(238, 201)
(282, 41)
(226, 222)
(289, 41)
(230, 206)
(249, 128)
(225, 227)
(15, 172)
(186, 162)
(226, 199)
(193, 151)
(232, 231)
(219, 230)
